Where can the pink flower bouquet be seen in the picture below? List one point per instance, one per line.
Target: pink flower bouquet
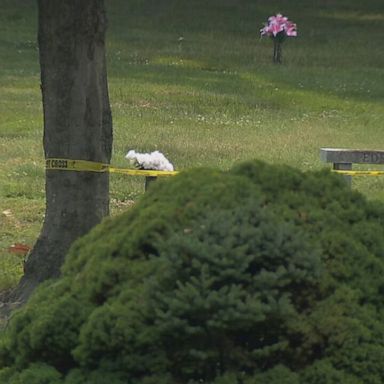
(278, 28)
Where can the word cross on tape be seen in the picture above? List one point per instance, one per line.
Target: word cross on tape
(75, 165)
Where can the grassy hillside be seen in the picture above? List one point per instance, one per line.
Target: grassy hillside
(194, 80)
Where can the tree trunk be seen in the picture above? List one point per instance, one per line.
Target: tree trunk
(77, 125)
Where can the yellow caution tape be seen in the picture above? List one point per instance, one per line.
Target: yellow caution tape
(359, 173)
(93, 166)
(141, 172)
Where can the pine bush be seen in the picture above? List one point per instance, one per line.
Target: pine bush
(262, 274)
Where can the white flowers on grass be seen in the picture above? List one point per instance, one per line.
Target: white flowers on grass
(154, 160)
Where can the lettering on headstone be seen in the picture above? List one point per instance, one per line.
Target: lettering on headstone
(373, 157)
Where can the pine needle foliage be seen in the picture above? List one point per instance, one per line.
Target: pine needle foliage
(262, 274)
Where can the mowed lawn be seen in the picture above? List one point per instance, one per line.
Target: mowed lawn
(193, 79)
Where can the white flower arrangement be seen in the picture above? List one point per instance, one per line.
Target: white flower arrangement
(154, 161)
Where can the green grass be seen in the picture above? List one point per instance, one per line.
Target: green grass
(212, 99)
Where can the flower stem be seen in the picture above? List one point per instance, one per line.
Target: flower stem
(277, 52)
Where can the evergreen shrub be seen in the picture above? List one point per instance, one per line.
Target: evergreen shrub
(262, 274)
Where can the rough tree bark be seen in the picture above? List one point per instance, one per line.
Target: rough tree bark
(77, 125)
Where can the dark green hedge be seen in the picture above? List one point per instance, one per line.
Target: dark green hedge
(262, 274)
